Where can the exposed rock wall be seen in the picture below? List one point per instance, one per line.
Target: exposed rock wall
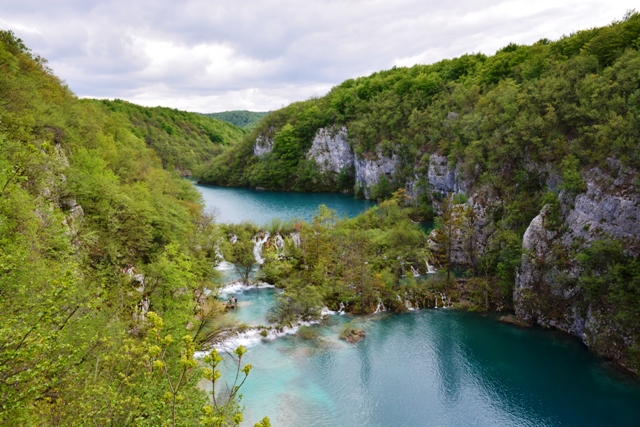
(371, 167)
(546, 290)
(443, 179)
(262, 146)
(331, 151)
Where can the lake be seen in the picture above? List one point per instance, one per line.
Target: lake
(236, 205)
(433, 367)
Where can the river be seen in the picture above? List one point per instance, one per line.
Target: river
(423, 368)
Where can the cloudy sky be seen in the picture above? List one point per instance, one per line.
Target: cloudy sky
(215, 55)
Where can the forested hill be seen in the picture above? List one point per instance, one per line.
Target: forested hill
(182, 140)
(104, 257)
(242, 118)
(572, 100)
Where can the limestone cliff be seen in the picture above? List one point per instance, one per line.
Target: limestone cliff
(547, 291)
(330, 150)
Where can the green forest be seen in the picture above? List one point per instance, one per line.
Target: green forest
(569, 103)
(182, 140)
(104, 257)
(247, 120)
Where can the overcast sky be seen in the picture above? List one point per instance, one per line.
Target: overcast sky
(214, 55)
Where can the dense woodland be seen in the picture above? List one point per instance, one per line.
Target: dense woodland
(247, 120)
(104, 256)
(182, 140)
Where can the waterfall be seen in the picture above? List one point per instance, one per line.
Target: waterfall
(295, 236)
(415, 272)
(446, 302)
(341, 308)
(233, 239)
(257, 246)
(278, 242)
(430, 268)
(380, 307)
(407, 302)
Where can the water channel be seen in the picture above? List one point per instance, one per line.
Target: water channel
(422, 368)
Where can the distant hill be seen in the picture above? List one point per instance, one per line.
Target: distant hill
(242, 118)
(183, 140)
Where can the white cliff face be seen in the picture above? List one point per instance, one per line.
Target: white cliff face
(443, 179)
(262, 146)
(612, 210)
(371, 167)
(610, 207)
(331, 150)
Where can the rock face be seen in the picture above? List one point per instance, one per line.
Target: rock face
(371, 167)
(443, 179)
(548, 295)
(262, 146)
(331, 150)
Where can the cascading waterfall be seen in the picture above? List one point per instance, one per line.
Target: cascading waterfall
(446, 301)
(258, 241)
(233, 239)
(380, 308)
(295, 236)
(430, 268)
(341, 308)
(415, 272)
(278, 242)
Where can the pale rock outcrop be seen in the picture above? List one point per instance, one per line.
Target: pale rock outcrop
(331, 151)
(371, 167)
(610, 207)
(263, 145)
(442, 178)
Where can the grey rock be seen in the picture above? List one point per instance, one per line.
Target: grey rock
(371, 167)
(331, 151)
(263, 145)
(442, 178)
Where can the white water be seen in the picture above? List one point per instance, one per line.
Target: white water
(258, 242)
(278, 242)
(380, 308)
(430, 268)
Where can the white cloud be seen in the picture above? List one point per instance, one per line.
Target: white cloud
(205, 55)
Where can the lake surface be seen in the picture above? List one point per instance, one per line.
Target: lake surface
(236, 205)
(427, 368)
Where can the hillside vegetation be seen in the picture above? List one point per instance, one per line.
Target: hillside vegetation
(104, 256)
(247, 120)
(571, 103)
(182, 140)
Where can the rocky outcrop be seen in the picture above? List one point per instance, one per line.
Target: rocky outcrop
(443, 179)
(331, 151)
(263, 145)
(546, 290)
(371, 167)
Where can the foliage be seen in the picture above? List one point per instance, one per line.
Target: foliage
(242, 118)
(183, 140)
(506, 121)
(95, 236)
(358, 262)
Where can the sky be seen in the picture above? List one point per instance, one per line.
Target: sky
(260, 55)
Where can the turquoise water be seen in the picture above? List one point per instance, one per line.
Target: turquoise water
(431, 368)
(427, 368)
(235, 205)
